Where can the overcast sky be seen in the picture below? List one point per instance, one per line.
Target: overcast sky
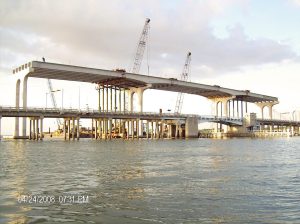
(241, 44)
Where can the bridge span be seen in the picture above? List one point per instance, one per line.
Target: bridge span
(115, 106)
(107, 121)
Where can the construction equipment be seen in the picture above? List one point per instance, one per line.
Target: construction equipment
(141, 48)
(184, 77)
(51, 91)
(139, 53)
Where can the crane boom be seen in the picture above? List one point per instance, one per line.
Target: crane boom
(141, 48)
(51, 91)
(184, 77)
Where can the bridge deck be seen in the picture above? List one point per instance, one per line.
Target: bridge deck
(91, 113)
(122, 79)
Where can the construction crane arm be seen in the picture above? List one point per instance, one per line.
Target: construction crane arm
(141, 48)
(184, 77)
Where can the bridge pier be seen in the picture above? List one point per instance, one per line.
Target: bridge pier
(36, 128)
(78, 131)
(73, 128)
(147, 130)
(269, 105)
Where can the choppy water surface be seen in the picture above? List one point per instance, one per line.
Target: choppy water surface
(163, 181)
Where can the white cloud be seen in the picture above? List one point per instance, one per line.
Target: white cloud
(105, 34)
(297, 2)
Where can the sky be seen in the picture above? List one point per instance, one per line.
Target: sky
(240, 44)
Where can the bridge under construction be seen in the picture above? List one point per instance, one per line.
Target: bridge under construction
(116, 89)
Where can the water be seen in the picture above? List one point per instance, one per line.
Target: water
(155, 181)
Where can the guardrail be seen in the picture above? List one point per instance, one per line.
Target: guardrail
(277, 120)
(109, 112)
(87, 111)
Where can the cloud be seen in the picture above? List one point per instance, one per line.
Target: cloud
(296, 2)
(105, 34)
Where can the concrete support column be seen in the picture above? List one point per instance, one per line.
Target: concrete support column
(270, 107)
(65, 129)
(37, 129)
(233, 111)
(120, 97)
(127, 129)
(137, 128)
(162, 125)
(242, 109)
(17, 124)
(176, 131)
(33, 129)
(229, 108)
(237, 109)
(271, 127)
(99, 129)
(110, 128)
(169, 131)
(152, 130)
(99, 99)
(96, 129)
(140, 93)
(41, 128)
(262, 111)
(103, 92)
(30, 128)
(132, 129)
(105, 128)
(106, 98)
(225, 107)
(156, 130)
(111, 99)
(115, 109)
(124, 100)
(78, 131)
(92, 136)
(69, 129)
(24, 93)
(130, 100)
(147, 130)
(73, 128)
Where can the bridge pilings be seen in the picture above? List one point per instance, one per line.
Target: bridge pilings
(36, 128)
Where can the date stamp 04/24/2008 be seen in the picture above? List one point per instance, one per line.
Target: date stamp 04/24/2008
(52, 199)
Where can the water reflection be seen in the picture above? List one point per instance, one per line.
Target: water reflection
(227, 181)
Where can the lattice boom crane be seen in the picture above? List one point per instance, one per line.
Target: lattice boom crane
(184, 77)
(141, 48)
(51, 92)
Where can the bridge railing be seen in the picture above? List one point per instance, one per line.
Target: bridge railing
(96, 111)
(279, 120)
(84, 111)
